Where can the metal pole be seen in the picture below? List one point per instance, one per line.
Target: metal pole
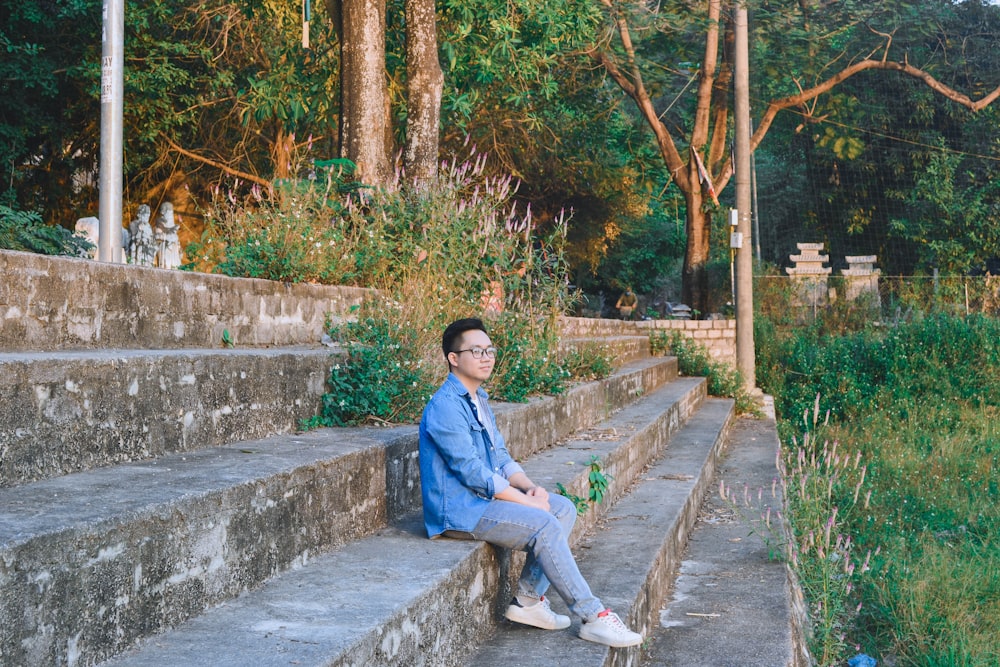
(745, 361)
(109, 245)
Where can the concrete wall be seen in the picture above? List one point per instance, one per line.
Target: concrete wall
(718, 336)
(58, 303)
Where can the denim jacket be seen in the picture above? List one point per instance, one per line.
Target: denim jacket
(462, 466)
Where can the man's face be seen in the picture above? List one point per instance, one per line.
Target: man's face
(464, 364)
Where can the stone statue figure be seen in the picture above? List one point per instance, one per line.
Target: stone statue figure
(142, 250)
(168, 246)
(90, 229)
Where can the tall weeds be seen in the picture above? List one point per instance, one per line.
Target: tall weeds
(915, 418)
(461, 248)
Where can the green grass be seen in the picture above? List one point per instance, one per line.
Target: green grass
(908, 468)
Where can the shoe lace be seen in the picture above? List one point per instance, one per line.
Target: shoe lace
(612, 619)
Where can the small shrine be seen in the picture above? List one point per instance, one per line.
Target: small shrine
(809, 275)
(861, 277)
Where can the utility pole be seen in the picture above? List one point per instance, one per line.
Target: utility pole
(109, 244)
(745, 360)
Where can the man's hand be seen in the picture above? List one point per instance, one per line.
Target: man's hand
(535, 500)
(538, 492)
(532, 496)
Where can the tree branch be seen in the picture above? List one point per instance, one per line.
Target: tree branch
(806, 95)
(218, 165)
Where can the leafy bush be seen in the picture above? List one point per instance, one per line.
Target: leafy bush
(907, 469)
(25, 231)
(387, 375)
(588, 362)
(694, 360)
(936, 355)
(459, 249)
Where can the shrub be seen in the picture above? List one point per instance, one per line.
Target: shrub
(25, 231)
(694, 360)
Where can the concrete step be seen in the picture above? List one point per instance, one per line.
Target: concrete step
(70, 411)
(397, 598)
(91, 561)
(732, 601)
(630, 557)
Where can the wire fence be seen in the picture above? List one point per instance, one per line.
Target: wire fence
(882, 299)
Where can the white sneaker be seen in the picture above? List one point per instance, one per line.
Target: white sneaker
(538, 615)
(609, 630)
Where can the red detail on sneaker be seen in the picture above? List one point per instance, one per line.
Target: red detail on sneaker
(604, 613)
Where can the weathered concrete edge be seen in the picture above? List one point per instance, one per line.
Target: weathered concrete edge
(75, 412)
(530, 427)
(92, 590)
(61, 303)
(644, 614)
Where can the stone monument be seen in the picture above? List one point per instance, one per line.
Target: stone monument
(809, 275)
(861, 277)
(168, 246)
(142, 250)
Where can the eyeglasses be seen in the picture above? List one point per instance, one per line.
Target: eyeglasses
(478, 352)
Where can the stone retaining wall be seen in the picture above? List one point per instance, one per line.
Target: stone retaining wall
(718, 336)
(59, 303)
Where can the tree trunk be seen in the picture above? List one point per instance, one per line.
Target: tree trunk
(364, 123)
(694, 282)
(424, 84)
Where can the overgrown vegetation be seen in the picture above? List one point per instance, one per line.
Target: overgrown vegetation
(904, 479)
(436, 254)
(693, 359)
(25, 231)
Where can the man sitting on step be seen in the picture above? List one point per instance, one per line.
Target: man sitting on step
(473, 489)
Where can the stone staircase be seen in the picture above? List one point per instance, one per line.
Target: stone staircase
(158, 507)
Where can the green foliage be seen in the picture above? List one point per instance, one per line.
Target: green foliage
(588, 362)
(527, 363)
(908, 456)
(387, 375)
(437, 254)
(302, 234)
(579, 502)
(951, 215)
(597, 481)
(25, 230)
(888, 367)
(694, 360)
(597, 487)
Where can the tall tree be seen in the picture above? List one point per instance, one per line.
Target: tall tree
(822, 44)
(364, 111)
(424, 85)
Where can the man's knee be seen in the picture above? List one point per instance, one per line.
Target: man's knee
(560, 505)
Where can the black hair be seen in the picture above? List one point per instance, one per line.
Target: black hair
(456, 329)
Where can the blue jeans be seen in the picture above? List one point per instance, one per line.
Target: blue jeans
(544, 536)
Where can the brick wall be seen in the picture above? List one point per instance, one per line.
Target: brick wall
(718, 336)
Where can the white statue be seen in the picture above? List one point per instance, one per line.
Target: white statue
(142, 250)
(168, 246)
(90, 229)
